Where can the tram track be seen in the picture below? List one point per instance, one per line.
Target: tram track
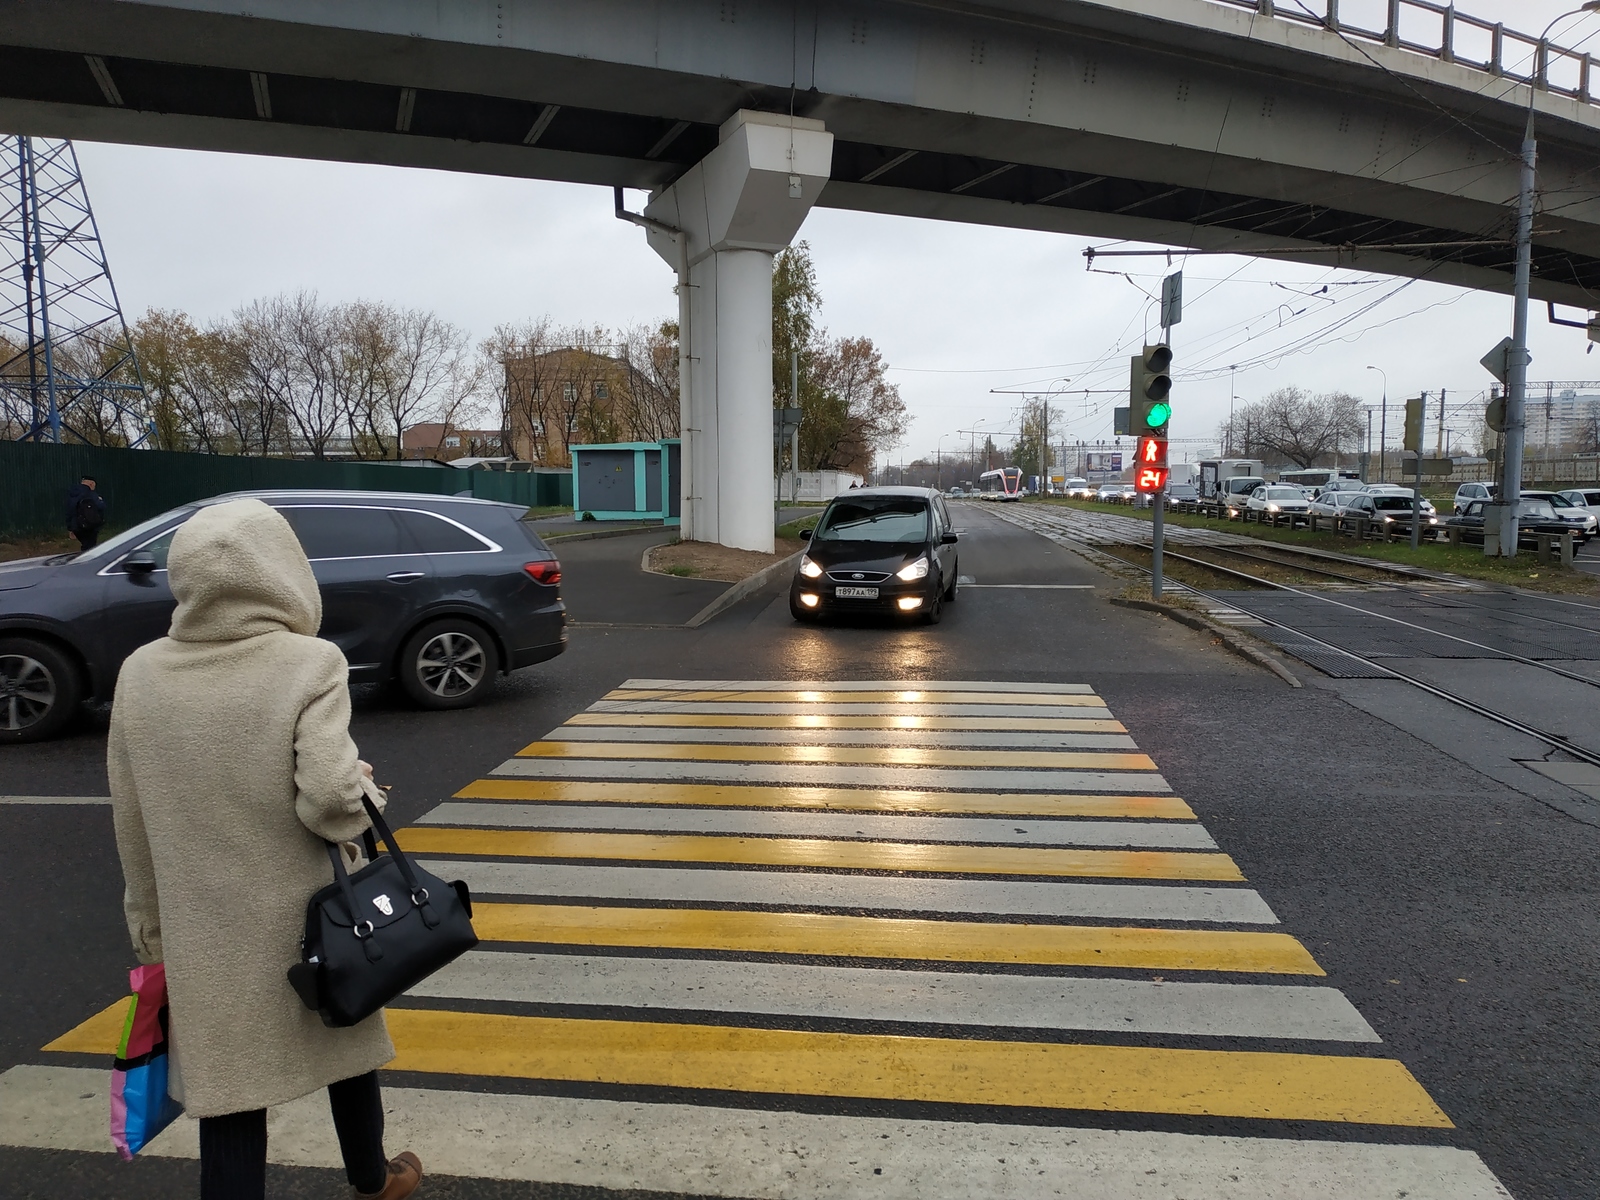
(1455, 601)
(1554, 740)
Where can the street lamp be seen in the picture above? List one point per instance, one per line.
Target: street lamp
(1383, 422)
(1517, 355)
(1232, 396)
(938, 453)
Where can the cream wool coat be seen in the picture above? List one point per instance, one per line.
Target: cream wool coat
(230, 761)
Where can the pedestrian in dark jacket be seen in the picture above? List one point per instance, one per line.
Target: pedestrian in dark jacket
(86, 512)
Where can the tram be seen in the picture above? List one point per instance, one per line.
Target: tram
(1002, 484)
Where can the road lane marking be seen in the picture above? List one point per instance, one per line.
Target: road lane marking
(1019, 899)
(1188, 835)
(906, 756)
(986, 779)
(1061, 707)
(823, 853)
(55, 799)
(1083, 722)
(1037, 587)
(856, 685)
(842, 936)
(1241, 1010)
(906, 696)
(1076, 740)
(1129, 1079)
(833, 799)
(711, 1150)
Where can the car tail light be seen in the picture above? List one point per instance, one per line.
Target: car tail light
(547, 571)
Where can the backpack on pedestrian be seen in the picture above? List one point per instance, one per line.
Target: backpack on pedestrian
(88, 514)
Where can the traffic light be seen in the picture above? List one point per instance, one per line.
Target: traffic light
(1413, 440)
(1150, 465)
(1149, 386)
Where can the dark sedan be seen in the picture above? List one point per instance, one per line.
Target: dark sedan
(884, 550)
(1533, 517)
(439, 593)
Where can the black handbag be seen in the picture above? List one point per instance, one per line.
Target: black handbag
(371, 935)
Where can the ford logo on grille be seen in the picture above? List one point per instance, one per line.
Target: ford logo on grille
(858, 575)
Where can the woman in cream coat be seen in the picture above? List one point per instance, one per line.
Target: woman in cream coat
(231, 762)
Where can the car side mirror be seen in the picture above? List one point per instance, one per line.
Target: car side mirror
(805, 535)
(140, 562)
(949, 538)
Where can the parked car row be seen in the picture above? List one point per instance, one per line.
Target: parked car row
(1535, 515)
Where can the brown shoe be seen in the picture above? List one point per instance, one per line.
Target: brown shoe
(405, 1172)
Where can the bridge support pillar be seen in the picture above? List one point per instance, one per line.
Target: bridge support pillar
(735, 209)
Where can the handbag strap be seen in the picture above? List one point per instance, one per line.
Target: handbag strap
(394, 851)
(336, 856)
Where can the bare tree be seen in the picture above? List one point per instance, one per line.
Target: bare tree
(518, 376)
(1588, 431)
(1294, 425)
(650, 355)
(401, 366)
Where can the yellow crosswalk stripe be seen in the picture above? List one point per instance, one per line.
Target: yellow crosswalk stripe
(944, 858)
(905, 696)
(680, 720)
(826, 798)
(843, 936)
(1129, 1079)
(882, 756)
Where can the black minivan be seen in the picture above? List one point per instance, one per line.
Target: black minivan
(887, 550)
(440, 593)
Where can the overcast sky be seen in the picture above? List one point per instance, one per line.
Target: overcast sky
(956, 310)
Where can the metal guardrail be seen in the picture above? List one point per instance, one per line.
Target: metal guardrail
(1439, 31)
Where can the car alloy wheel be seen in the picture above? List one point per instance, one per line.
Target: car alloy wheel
(449, 663)
(39, 690)
(27, 692)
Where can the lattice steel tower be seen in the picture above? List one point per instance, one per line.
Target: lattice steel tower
(67, 366)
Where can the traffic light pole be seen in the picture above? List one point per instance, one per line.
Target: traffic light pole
(1517, 357)
(1157, 535)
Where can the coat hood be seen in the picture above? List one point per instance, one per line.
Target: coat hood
(237, 571)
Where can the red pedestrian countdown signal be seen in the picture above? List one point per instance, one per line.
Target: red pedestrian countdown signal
(1150, 472)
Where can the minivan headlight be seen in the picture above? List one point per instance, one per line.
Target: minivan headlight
(809, 569)
(914, 570)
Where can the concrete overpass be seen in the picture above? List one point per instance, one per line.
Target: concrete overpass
(1215, 124)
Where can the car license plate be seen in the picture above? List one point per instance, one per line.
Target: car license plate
(856, 593)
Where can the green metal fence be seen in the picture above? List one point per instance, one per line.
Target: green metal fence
(137, 484)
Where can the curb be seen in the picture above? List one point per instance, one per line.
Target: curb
(599, 533)
(742, 590)
(1232, 640)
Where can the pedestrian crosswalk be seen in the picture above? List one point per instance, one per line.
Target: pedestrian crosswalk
(795, 939)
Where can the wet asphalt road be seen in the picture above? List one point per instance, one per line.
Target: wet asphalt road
(1458, 913)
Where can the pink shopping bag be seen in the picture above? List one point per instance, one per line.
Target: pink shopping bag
(140, 1106)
